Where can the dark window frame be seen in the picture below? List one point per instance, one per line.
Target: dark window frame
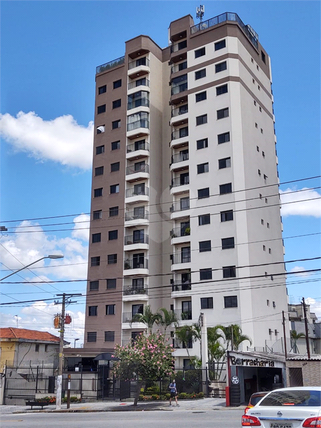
(230, 302)
(205, 246)
(200, 52)
(112, 259)
(206, 274)
(202, 144)
(203, 193)
(200, 74)
(221, 44)
(207, 303)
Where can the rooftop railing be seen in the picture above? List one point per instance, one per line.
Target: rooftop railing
(228, 16)
(110, 64)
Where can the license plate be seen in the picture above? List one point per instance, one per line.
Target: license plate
(280, 425)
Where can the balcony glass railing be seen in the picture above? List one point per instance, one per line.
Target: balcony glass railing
(131, 291)
(137, 83)
(180, 157)
(137, 191)
(180, 110)
(183, 315)
(140, 239)
(180, 133)
(181, 287)
(143, 102)
(142, 123)
(136, 215)
(180, 181)
(134, 169)
(228, 16)
(137, 146)
(181, 258)
(141, 263)
(179, 88)
(138, 63)
(179, 67)
(177, 232)
(175, 47)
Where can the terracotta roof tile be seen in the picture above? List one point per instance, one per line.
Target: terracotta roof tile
(22, 333)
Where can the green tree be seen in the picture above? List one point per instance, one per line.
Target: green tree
(188, 334)
(295, 336)
(148, 358)
(216, 351)
(168, 318)
(148, 318)
(233, 336)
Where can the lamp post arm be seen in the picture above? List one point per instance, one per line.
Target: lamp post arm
(24, 267)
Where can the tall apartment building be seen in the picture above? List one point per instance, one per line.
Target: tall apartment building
(185, 203)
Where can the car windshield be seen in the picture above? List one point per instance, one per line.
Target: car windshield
(293, 397)
(256, 399)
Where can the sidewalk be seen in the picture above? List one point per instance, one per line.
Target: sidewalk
(119, 406)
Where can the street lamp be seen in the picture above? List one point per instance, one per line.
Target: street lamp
(51, 256)
(75, 340)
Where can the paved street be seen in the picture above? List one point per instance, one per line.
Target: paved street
(157, 419)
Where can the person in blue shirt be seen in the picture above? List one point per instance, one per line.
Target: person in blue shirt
(173, 391)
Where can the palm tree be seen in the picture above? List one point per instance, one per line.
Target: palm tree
(233, 336)
(168, 318)
(216, 351)
(294, 337)
(148, 318)
(188, 334)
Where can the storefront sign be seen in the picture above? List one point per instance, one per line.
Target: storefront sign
(257, 362)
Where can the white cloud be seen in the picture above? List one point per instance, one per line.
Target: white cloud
(61, 140)
(300, 271)
(314, 306)
(306, 202)
(21, 249)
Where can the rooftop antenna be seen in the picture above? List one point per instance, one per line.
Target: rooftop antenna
(200, 12)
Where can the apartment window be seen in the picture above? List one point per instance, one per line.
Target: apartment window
(259, 172)
(99, 170)
(200, 74)
(221, 89)
(202, 167)
(116, 124)
(224, 163)
(112, 259)
(204, 246)
(137, 309)
(96, 237)
(93, 285)
(199, 52)
(262, 221)
(98, 192)
(270, 251)
(254, 102)
(37, 347)
(95, 261)
(97, 214)
(109, 336)
(263, 56)
(101, 109)
(113, 211)
(117, 84)
(226, 215)
(222, 113)
(223, 138)
(225, 188)
(115, 145)
(92, 311)
(102, 89)
(200, 120)
(205, 274)
(200, 97)
(204, 219)
(100, 129)
(91, 336)
(230, 301)
(110, 309)
(100, 150)
(261, 131)
(114, 188)
(203, 193)
(220, 45)
(112, 235)
(202, 144)
(229, 271)
(206, 302)
(111, 283)
(227, 243)
(114, 166)
(220, 67)
(117, 103)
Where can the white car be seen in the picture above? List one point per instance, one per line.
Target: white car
(294, 407)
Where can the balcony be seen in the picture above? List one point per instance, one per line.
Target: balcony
(137, 215)
(135, 266)
(138, 67)
(139, 127)
(138, 193)
(180, 208)
(179, 138)
(137, 241)
(180, 234)
(179, 161)
(137, 150)
(137, 172)
(175, 47)
(131, 293)
(111, 64)
(181, 258)
(186, 286)
(177, 89)
(179, 184)
(127, 318)
(179, 115)
(137, 83)
(141, 102)
(178, 67)
(183, 315)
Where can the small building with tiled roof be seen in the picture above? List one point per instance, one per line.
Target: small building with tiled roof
(20, 348)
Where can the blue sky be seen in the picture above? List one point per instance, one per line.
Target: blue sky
(49, 52)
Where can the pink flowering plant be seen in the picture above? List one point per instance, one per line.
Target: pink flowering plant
(148, 358)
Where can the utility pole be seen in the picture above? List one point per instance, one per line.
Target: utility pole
(306, 327)
(284, 336)
(61, 346)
